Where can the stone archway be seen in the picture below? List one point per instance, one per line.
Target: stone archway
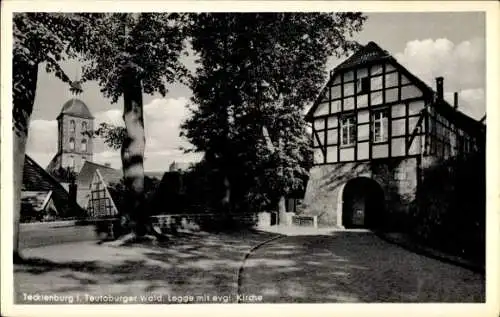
(363, 204)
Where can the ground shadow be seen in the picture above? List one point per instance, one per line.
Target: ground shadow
(194, 265)
(353, 267)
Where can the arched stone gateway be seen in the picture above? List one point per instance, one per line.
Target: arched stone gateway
(363, 204)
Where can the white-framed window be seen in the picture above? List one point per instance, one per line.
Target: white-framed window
(71, 144)
(379, 125)
(348, 130)
(72, 126)
(83, 146)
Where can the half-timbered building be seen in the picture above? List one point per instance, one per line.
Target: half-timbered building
(375, 127)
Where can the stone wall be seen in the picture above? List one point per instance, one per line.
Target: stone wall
(396, 177)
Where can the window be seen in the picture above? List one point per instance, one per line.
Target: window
(83, 146)
(72, 163)
(379, 126)
(72, 126)
(363, 85)
(84, 126)
(348, 131)
(71, 144)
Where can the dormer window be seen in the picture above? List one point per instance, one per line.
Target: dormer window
(363, 85)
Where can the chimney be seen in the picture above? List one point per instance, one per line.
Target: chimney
(455, 100)
(72, 191)
(439, 88)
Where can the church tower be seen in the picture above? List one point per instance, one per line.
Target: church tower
(75, 125)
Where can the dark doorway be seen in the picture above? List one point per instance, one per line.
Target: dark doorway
(274, 218)
(363, 204)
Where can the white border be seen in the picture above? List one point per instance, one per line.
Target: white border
(491, 308)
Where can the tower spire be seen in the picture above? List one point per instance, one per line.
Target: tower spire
(76, 85)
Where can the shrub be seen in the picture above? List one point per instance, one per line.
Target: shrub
(450, 211)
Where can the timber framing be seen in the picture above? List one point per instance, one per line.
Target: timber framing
(413, 110)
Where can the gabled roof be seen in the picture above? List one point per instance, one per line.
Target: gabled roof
(111, 175)
(366, 54)
(77, 108)
(372, 53)
(470, 125)
(84, 178)
(36, 179)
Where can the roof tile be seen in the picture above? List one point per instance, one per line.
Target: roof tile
(369, 52)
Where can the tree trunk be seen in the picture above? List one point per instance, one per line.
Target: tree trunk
(281, 201)
(132, 154)
(26, 78)
(19, 143)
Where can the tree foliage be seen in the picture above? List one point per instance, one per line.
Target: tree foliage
(39, 39)
(64, 174)
(260, 70)
(129, 54)
(112, 135)
(450, 210)
(148, 45)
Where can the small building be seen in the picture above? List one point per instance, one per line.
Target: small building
(43, 197)
(95, 193)
(376, 127)
(87, 174)
(38, 205)
(102, 201)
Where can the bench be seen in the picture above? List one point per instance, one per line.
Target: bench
(305, 221)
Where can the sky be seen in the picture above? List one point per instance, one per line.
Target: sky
(448, 44)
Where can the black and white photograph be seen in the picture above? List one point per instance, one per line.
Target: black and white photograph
(169, 157)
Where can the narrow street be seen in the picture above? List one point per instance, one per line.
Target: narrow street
(32, 235)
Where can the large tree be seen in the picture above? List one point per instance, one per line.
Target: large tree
(130, 54)
(257, 73)
(39, 39)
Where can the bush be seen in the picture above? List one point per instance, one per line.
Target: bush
(451, 207)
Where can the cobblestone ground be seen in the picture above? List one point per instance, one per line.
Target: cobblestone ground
(353, 267)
